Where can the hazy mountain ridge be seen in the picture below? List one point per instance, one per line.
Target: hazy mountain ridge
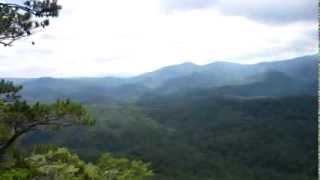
(298, 75)
(218, 121)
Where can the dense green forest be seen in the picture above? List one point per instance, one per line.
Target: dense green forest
(18, 117)
(223, 121)
(48, 161)
(222, 138)
(255, 127)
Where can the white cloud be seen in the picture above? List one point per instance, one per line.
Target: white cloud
(130, 37)
(270, 11)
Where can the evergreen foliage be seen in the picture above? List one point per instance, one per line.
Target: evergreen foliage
(17, 21)
(19, 117)
(54, 163)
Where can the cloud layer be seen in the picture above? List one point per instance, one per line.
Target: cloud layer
(271, 11)
(124, 37)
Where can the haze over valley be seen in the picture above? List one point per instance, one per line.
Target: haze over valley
(159, 90)
(220, 120)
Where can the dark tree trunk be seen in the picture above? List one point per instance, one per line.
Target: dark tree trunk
(7, 144)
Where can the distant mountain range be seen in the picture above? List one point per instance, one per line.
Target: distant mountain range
(280, 78)
(217, 121)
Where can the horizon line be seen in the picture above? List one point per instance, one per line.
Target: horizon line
(125, 76)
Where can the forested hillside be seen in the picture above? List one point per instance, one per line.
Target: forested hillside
(299, 75)
(218, 121)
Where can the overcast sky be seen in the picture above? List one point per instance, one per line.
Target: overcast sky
(127, 37)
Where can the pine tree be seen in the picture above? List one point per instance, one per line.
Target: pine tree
(17, 21)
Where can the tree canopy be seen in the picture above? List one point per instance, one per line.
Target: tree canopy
(18, 117)
(17, 21)
(59, 163)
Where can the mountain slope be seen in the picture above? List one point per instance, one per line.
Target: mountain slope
(218, 121)
(297, 75)
(302, 70)
(156, 78)
(272, 84)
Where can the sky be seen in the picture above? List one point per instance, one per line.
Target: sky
(130, 37)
